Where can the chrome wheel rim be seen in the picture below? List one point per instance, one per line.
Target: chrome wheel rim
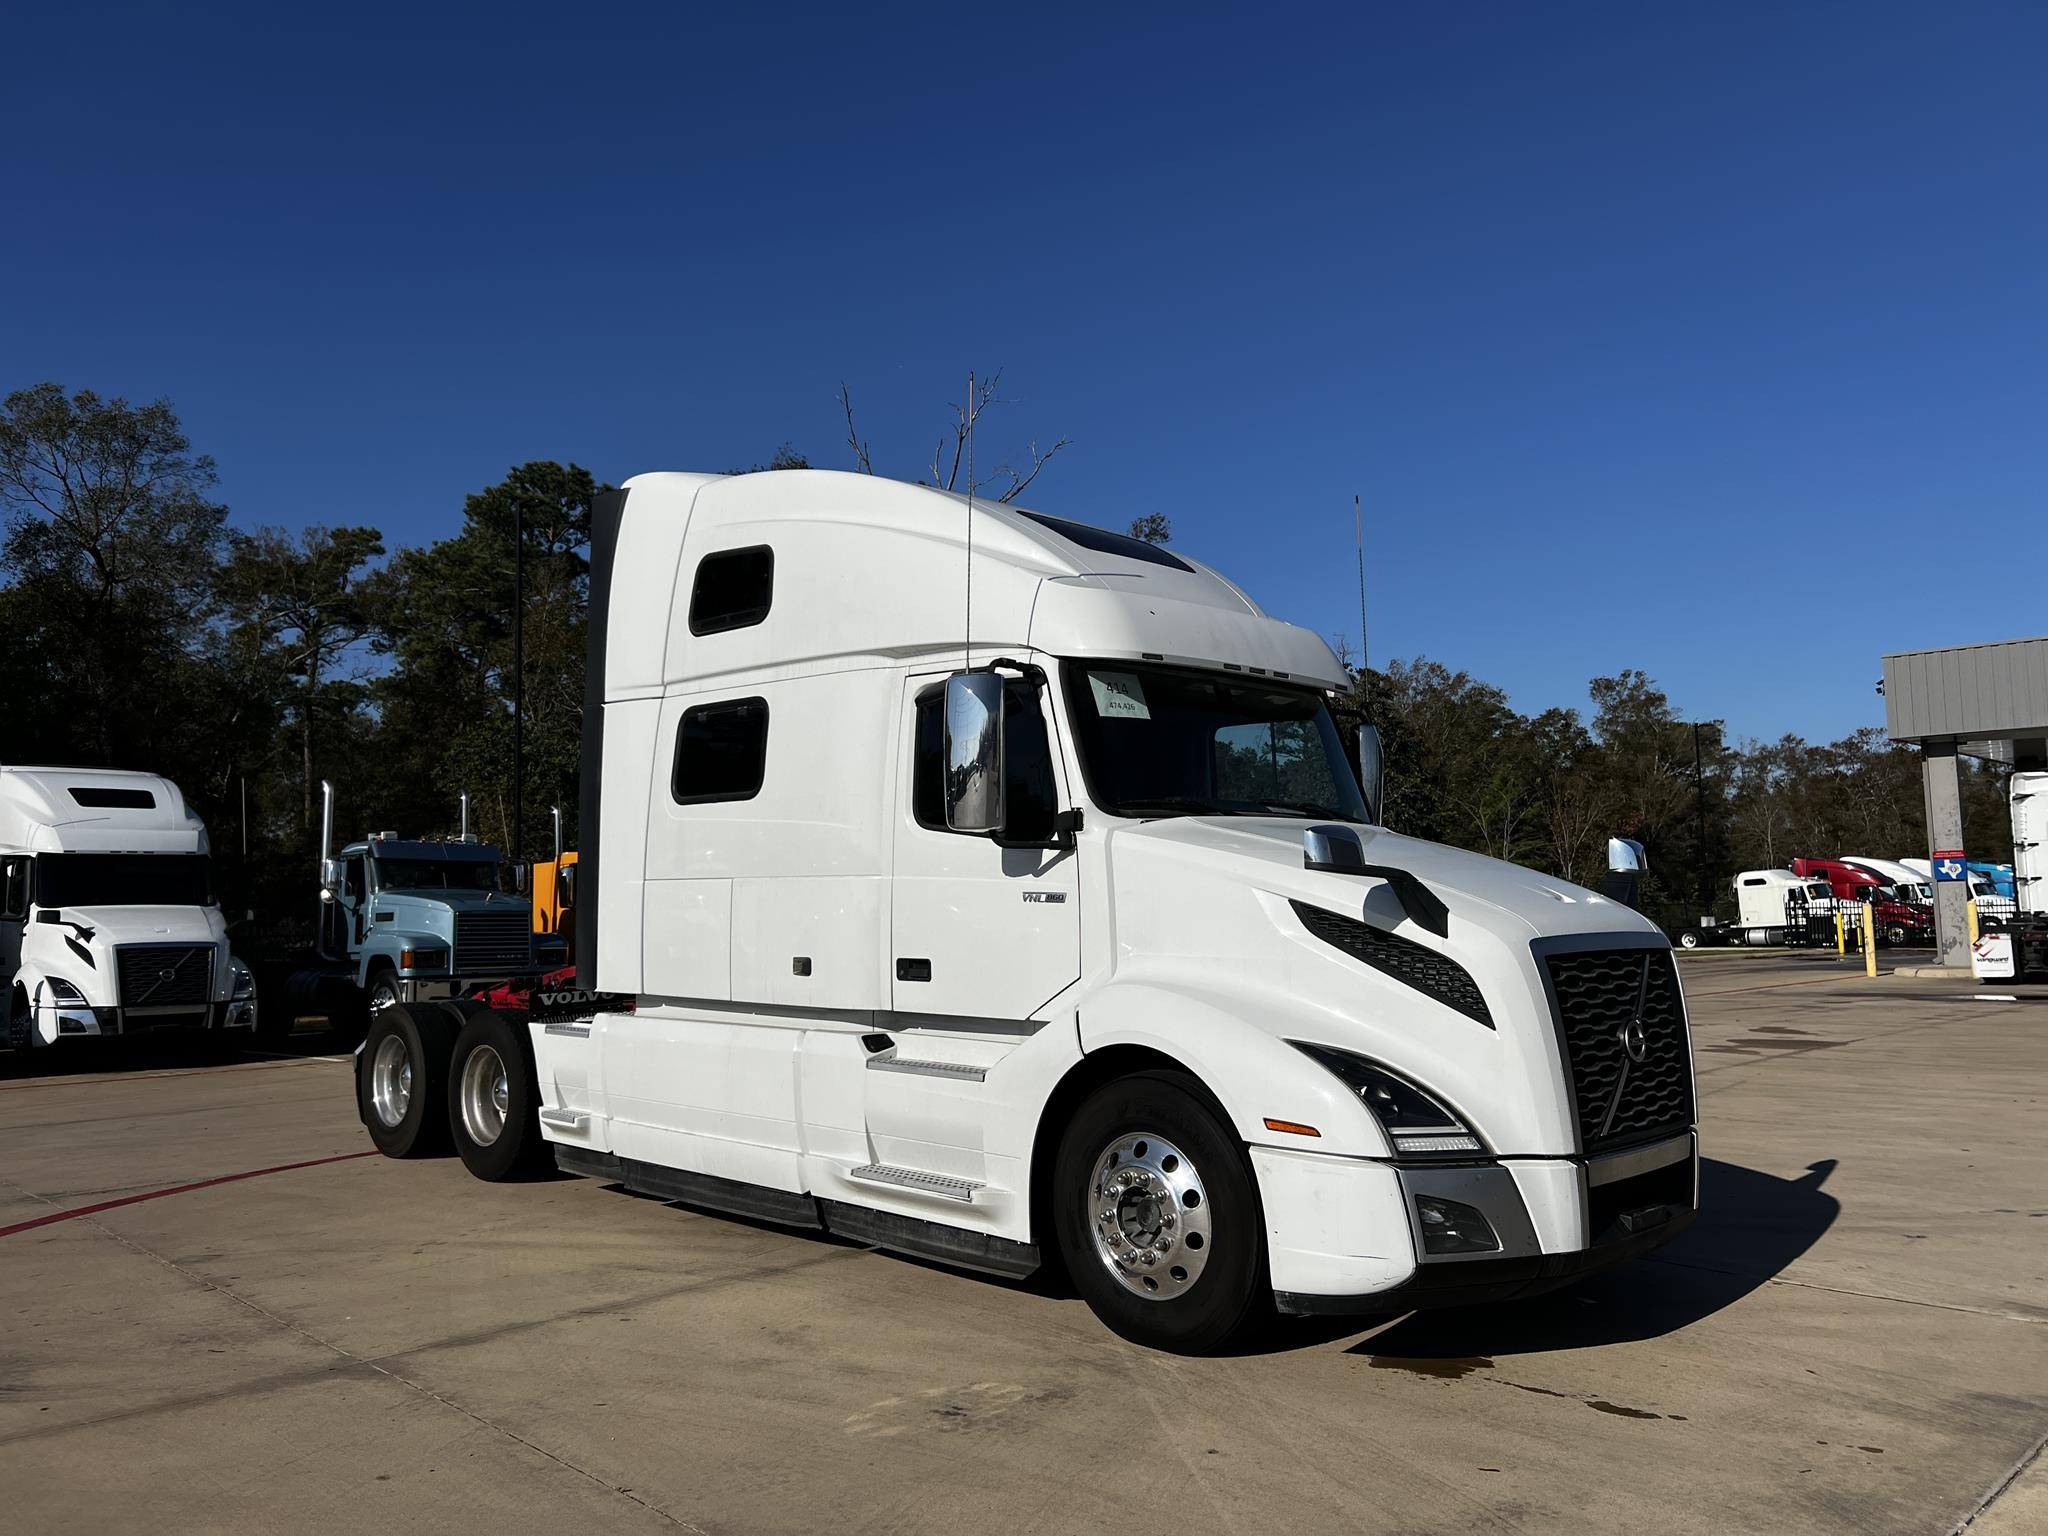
(382, 997)
(1148, 1212)
(391, 1081)
(486, 1096)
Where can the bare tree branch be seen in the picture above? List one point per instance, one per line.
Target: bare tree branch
(1038, 462)
(861, 461)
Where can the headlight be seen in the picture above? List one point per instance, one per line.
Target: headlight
(61, 991)
(1414, 1122)
(245, 981)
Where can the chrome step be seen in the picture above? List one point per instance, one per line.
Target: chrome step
(943, 1185)
(564, 1119)
(959, 1071)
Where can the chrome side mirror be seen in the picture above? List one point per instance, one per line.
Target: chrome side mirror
(565, 885)
(1625, 856)
(1371, 772)
(974, 752)
(331, 878)
(519, 878)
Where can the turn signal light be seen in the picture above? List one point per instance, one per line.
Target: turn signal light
(1291, 1127)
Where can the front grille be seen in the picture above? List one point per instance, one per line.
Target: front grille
(488, 943)
(1439, 976)
(1600, 994)
(164, 975)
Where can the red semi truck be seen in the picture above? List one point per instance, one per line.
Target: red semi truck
(1898, 922)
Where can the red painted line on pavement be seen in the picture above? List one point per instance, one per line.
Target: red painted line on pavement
(177, 1189)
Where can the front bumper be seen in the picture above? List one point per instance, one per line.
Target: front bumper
(1344, 1235)
(57, 1021)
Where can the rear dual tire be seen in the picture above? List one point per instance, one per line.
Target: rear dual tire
(402, 1087)
(494, 1100)
(453, 1074)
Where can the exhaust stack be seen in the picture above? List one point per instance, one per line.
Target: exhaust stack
(463, 835)
(326, 825)
(557, 813)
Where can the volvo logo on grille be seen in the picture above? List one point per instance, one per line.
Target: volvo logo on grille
(1635, 1040)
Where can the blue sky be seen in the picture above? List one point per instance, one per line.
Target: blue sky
(1711, 340)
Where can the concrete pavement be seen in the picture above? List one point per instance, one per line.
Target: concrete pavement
(1853, 1338)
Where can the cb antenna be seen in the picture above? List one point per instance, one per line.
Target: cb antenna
(1364, 666)
(967, 641)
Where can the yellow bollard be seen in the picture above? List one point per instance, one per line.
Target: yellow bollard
(1970, 907)
(1841, 937)
(1870, 938)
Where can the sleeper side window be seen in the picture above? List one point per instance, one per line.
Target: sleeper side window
(733, 589)
(721, 752)
(1031, 796)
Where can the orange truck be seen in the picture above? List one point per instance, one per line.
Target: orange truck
(551, 888)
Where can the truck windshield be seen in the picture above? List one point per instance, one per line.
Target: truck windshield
(123, 880)
(435, 875)
(1171, 742)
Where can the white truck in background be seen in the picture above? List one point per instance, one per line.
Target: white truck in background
(1771, 906)
(2015, 947)
(108, 924)
(1910, 884)
(1078, 944)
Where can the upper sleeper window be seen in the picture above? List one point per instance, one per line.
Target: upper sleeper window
(1103, 542)
(100, 798)
(721, 752)
(733, 589)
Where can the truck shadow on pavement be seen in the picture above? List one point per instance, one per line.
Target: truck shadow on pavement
(168, 1053)
(1752, 1226)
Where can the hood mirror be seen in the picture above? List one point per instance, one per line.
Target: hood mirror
(1625, 856)
(1371, 772)
(974, 752)
(1335, 848)
(1626, 865)
(330, 878)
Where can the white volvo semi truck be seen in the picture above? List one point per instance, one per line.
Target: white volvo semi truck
(108, 924)
(1077, 944)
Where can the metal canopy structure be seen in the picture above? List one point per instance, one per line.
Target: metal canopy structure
(1977, 700)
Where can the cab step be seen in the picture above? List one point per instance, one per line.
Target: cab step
(957, 1070)
(944, 1185)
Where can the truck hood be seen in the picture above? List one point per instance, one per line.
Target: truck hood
(453, 901)
(1514, 903)
(146, 925)
(1220, 914)
(80, 947)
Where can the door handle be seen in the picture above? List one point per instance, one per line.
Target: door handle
(913, 970)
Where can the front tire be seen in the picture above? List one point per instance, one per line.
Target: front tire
(1156, 1216)
(383, 993)
(494, 1102)
(402, 1090)
(1690, 939)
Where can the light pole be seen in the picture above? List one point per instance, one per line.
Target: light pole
(518, 678)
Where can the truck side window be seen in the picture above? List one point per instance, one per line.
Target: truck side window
(733, 589)
(358, 876)
(1030, 793)
(721, 752)
(14, 879)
